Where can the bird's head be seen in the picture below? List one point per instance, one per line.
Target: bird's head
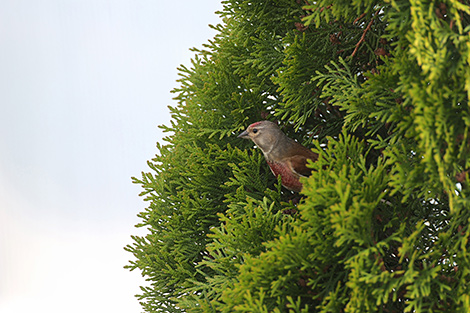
(264, 134)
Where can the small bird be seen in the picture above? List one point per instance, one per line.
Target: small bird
(285, 156)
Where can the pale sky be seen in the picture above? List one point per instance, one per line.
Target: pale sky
(83, 86)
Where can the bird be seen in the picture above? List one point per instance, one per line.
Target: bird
(285, 156)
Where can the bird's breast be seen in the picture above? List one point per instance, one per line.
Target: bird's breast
(289, 179)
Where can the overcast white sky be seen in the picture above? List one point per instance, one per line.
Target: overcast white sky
(83, 86)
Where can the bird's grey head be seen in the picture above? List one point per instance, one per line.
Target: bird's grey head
(264, 134)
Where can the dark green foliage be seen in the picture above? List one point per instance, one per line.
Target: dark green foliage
(380, 90)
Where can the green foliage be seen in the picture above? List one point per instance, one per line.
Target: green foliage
(380, 90)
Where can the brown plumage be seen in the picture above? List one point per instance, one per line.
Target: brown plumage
(285, 156)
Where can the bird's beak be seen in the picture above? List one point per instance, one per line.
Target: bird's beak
(244, 135)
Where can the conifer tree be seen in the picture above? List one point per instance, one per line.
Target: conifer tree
(379, 89)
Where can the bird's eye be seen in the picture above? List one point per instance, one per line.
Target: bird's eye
(255, 130)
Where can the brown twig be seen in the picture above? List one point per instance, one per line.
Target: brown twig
(363, 35)
(361, 16)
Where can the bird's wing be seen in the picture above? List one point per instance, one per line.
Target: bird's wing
(298, 165)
